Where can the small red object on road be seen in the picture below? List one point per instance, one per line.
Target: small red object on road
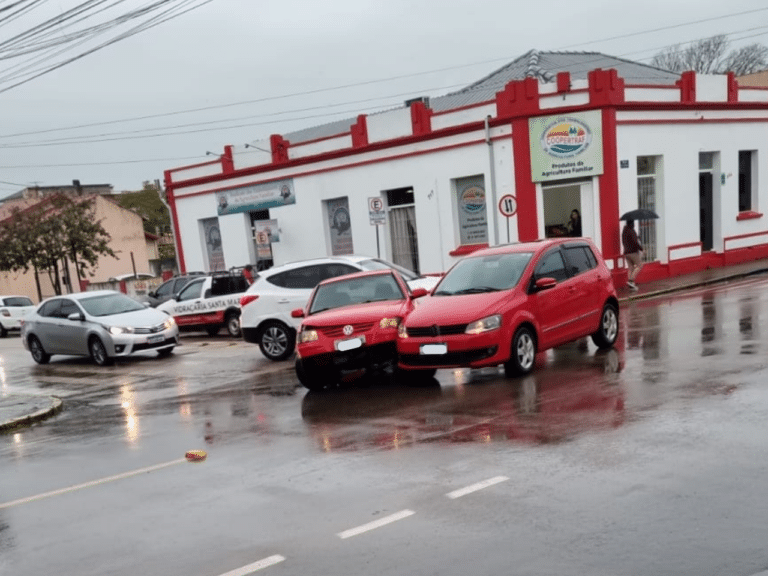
(196, 455)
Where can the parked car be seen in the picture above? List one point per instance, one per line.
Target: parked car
(103, 324)
(12, 310)
(209, 303)
(266, 306)
(350, 323)
(503, 305)
(170, 288)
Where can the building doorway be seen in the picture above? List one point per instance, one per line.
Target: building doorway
(403, 237)
(706, 200)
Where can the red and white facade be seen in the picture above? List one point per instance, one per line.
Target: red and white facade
(447, 181)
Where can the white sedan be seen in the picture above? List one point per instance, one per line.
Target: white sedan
(12, 310)
(102, 324)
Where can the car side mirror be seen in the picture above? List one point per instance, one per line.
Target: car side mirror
(545, 283)
(76, 317)
(152, 294)
(297, 313)
(419, 292)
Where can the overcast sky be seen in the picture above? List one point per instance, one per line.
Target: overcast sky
(258, 67)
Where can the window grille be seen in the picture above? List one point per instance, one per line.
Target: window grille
(646, 198)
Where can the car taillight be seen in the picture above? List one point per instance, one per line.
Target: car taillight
(247, 299)
(6, 313)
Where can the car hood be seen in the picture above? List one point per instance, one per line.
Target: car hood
(358, 313)
(460, 309)
(136, 319)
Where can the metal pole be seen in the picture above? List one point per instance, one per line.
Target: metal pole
(492, 176)
(378, 250)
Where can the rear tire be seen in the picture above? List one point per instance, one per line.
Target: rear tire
(39, 355)
(99, 352)
(523, 353)
(608, 331)
(276, 340)
(232, 322)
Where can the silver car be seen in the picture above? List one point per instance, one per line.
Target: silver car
(102, 324)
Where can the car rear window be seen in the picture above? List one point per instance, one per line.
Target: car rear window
(18, 301)
(229, 284)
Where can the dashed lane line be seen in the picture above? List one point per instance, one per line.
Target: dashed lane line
(89, 484)
(375, 524)
(255, 566)
(475, 487)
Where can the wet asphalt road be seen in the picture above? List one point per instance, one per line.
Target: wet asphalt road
(649, 459)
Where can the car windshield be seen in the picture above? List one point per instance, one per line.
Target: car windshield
(484, 274)
(356, 291)
(375, 264)
(109, 304)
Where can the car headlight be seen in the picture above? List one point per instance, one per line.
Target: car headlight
(170, 323)
(390, 322)
(115, 330)
(307, 336)
(484, 325)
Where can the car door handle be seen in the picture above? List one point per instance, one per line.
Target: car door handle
(284, 301)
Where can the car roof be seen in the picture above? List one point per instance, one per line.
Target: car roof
(14, 296)
(82, 295)
(350, 259)
(533, 246)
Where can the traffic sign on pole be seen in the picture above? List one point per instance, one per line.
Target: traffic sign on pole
(376, 211)
(508, 205)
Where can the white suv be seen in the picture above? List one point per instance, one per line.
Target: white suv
(267, 304)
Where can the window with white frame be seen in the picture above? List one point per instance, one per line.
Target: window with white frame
(646, 198)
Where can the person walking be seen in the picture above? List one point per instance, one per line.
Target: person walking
(633, 252)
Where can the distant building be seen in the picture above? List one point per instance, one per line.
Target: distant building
(132, 245)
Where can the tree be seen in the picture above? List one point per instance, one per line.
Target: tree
(708, 56)
(149, 204)
(46, 235)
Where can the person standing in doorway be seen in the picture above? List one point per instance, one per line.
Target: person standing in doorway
(573, 226)
(633, 252)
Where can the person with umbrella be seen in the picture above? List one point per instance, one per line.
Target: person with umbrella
(633, 252)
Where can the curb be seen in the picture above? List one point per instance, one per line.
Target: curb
(54, 408)
(632, 297)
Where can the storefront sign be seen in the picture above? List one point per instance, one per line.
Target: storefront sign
(255, 197)
(471, 209)
(212, 239)
(569, 146)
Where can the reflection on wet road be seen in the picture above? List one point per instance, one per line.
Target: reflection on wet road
(647, 459)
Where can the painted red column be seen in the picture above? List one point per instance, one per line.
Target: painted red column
(359, 132)
(171, 199)
(609, 188)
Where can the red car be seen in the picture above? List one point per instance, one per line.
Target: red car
(350, 323)
(503, 305)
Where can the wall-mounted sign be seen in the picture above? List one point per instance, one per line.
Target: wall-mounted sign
(568, 146)
(623, 163)
(471, 210)
(340, 226)
(255, 197)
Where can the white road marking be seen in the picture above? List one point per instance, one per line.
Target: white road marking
(259, 565)
(376, 524)
(475, 487)
(90, 484)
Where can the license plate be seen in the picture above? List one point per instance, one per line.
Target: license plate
(351, 344)
(155, 339)
(434, 349)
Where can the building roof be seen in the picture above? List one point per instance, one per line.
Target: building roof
(543, 66)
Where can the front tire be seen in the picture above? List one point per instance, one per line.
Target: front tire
(315, 379)
(212, 330)
(163, 352)
(232, 322)
(523, 354)
(606, 334)
(39, 355)
(3, 331)
(276, 340)
(99, 352)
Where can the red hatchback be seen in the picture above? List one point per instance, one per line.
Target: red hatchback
(503, 305)
(350, 323)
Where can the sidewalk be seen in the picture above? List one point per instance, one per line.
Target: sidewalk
(21, 409)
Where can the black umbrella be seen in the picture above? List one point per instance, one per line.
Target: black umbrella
(639, 214)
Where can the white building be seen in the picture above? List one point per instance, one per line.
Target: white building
(505, 159)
